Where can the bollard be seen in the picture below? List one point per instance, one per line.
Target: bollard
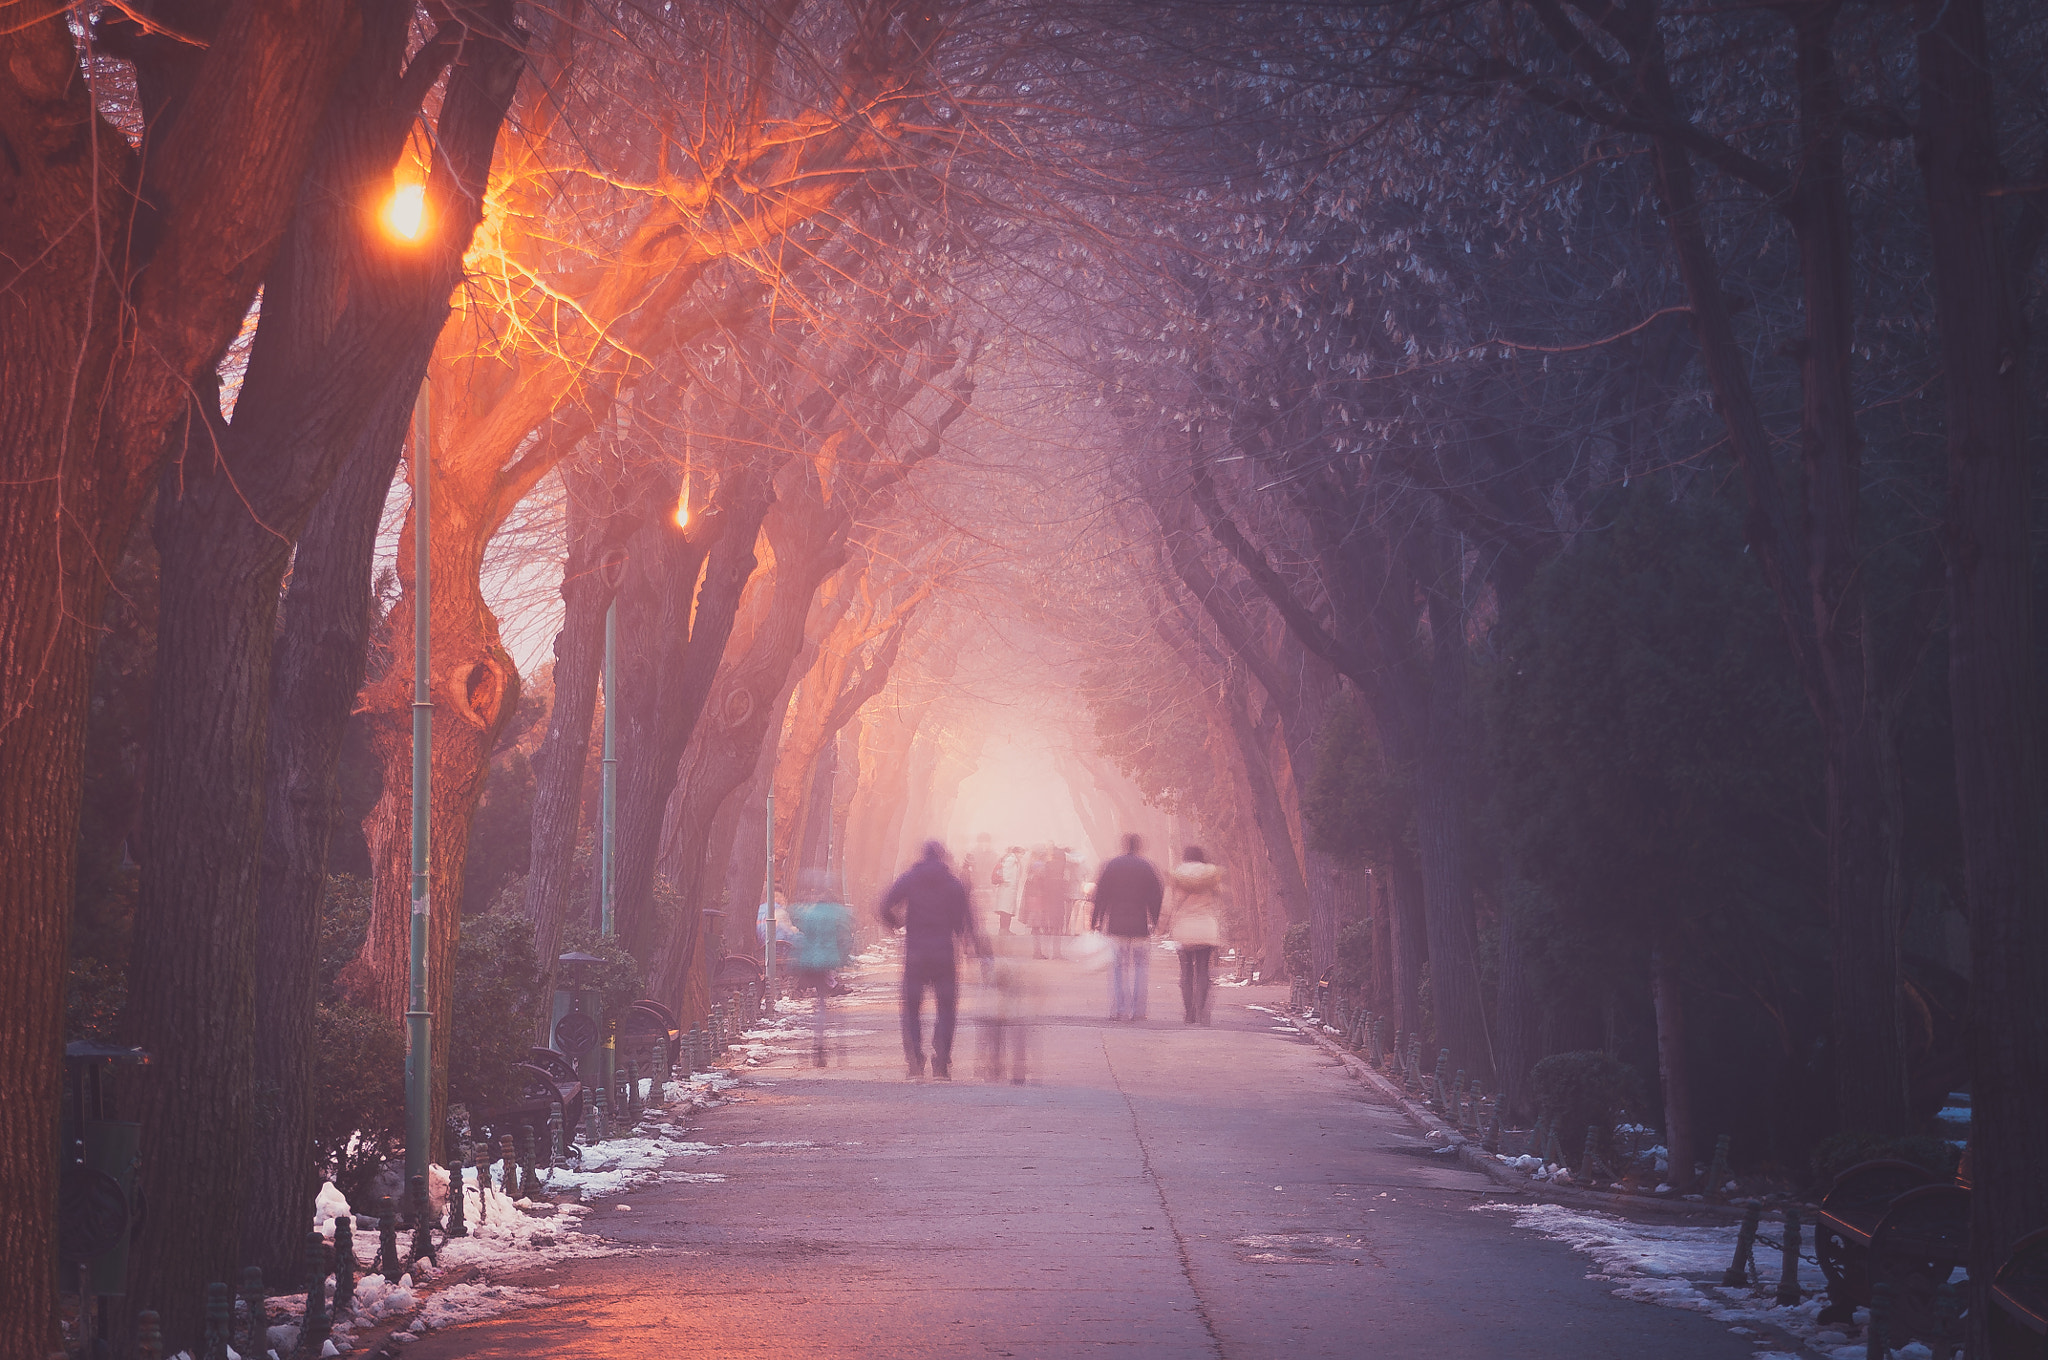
(602, 1106)
(387, 1242)
(556, 1154)
(422, 1223)
(344, 1263)
(149, 1335)
(661, 1072)
(1788, 1271)
(529, 1175)
(633, 1105)
(317, 1323)
(1553, 1152)
(590, 1120)
(1878, 1334)
(1717, 1170)
(259, 1313)
(1590, 1158)
(483, 1180)
(511, 1171)
(1492, 1143)
(1457, 1101)
(1737, 1273)
(458, 1225)
(220, 1309)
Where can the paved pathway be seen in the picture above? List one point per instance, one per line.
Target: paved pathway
(1153, 1191)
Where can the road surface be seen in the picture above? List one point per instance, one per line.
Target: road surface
(1153, 1190)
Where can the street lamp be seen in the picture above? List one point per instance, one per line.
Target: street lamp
(403, 217)
(404, 214)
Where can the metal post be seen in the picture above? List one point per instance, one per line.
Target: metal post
(418, 1019)
(768, 893)
(611, 762)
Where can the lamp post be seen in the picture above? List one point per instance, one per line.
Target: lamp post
(419, 1020)
(403, 217)
(609, 811)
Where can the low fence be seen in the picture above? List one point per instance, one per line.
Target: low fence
(241, 1318)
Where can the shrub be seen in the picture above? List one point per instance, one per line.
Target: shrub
(1577, 1090)
(1835, 1154)
(497, 1009)
(358, 1091)
(1295, 949)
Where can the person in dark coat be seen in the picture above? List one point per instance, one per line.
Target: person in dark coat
(1128, 895)
(930, 906)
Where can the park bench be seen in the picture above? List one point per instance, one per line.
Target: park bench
(2019, 1294)
(1891, 1224)
(546, 1079)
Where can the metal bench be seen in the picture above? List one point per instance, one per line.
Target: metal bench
(1890, 1223)
(2019, 1293)
(547, 1078)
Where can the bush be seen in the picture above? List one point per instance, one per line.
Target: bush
(497, 1003)
(358, 1092)
(1836, 1154)
(1295, 949)
(1580, 1090)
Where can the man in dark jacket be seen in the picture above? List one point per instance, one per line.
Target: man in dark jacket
(930, 906)
(1128, 894)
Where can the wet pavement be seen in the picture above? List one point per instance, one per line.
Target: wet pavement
(1153, 1190)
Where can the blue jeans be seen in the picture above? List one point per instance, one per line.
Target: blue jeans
(1129, 964)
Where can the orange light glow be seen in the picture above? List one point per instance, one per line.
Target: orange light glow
(683, 506)
(405, 213)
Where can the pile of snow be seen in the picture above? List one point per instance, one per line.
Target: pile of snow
(1679, 1266)
(619, 1164)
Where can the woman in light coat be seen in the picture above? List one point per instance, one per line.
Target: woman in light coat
(1195, 927)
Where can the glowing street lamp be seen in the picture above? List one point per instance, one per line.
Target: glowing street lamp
(404, 214)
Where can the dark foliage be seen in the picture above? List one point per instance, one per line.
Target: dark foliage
(1588, 1089)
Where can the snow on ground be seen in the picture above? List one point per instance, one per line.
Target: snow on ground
(1679, 1265)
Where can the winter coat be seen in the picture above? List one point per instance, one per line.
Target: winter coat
(826, 939)
(1127, 897)
(931, 907)
(1195, 919)
(1046, 895)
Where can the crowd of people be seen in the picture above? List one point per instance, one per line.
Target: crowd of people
(982, 913)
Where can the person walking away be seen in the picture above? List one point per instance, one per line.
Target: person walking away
(1195, 927)
(981, 871)
(1045, 899)
(931, 908)
(1127, 901)
(824, 944)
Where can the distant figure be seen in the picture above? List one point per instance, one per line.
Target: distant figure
(1009, 886)
(785, 933)
(931, 908)
(1196, 928)
(1048, 894)
(1127, 900)
(824, 943)
(981, 870)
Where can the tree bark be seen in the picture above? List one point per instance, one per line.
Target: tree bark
(348, 319)
(1994, 690)
(673, 633)
(1443, 831)
(105, 331)
(1674, 1073)
(316, 670)
(589, 585)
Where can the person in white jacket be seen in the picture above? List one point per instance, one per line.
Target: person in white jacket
(1195, 927)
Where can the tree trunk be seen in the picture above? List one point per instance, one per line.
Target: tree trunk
(105, 331)
(1673, 1071)
(475, 687)
(669, 660)
(1994, 691)
(1518, 1045)
(316, 670)
(1443, 831)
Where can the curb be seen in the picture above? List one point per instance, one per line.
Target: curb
(1476, 1159)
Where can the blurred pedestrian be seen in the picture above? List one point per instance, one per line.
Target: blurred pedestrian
(1195, 926)
(931, 907)
(1048, 896)
(824, 944)
(1127, 895)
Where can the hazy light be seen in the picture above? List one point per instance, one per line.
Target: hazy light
(405, 212)
(683, 506)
